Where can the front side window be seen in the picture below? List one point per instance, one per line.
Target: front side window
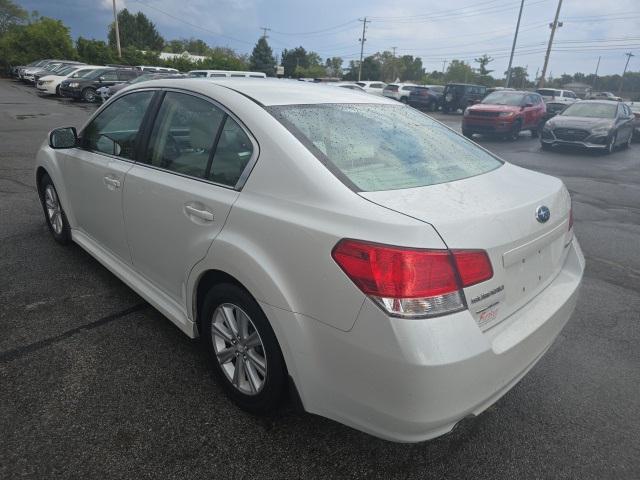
(383, 147)
(115, 130)
(184, 134)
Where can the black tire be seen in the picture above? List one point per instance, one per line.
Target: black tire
(536, 132)
(269, 397)
(431, 106)
(404, 100)
(514, 134)
(89, 95)
(58, 91)
(611, 145)
(61, 232)
(545, 146)
(627, 144)
(467, 133)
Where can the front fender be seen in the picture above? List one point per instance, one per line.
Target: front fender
(47, 160)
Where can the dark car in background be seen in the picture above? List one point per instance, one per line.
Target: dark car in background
(425, 97)
(86, 88)
(553, 109)
(459, 96)
(113, 89)
(592, 124)
(505, 112)
(635, 109)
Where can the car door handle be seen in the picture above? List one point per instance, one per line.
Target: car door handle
(205, 215)
(111, 182)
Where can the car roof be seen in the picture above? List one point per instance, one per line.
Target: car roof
(272, 91)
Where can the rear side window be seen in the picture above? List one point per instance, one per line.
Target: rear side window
(109, 75)
(115, 130)
(373, 147)
(126, 74)
(233, 152)
(184, 134)
(198, 74)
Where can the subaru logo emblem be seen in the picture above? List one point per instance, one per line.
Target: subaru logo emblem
(543, 214)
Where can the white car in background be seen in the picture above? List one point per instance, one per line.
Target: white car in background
(375, 88)
(554, 95)
(398, 91)
(350, 249)
(49, 84)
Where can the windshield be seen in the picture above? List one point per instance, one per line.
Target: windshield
(504, 98)
(66, 71)
(591, 110)
(373, 147)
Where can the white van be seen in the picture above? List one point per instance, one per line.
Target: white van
(225, 73)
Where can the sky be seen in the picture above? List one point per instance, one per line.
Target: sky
(435, 30)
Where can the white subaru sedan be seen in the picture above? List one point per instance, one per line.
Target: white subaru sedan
(348, 249)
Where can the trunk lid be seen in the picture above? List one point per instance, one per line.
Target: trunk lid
(496, 212)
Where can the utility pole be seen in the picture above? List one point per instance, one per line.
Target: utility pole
(115, 17)
(553, 26)
(595, 77)
(513, 47)
(362, 40)
(444, 63)
(264, 32)
(629, 55)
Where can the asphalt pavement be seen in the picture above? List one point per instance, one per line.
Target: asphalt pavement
(95, 383)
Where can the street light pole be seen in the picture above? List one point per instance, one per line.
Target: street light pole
(554, 25)
(115, 17)
(513, 47)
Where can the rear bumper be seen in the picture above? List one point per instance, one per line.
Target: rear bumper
(413, 380)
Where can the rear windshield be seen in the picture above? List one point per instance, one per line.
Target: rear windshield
(374, 147)
(546, 92)
(591, 110)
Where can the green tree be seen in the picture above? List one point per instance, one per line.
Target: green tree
(459, 71)
(333, 66)
(95, 52)
(519, 77)
(312, 71)
(11, 14)
(133, 56)
(262, 59)
(194, 46)
(294, 59)
(136, 31)
(410, 68)
(42, 38)
(483, 61)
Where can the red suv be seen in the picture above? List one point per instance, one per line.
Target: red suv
(505, 112)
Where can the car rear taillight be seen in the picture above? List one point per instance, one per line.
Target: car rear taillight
(410, 282)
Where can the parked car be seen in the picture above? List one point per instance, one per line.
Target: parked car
(224, 74)
(32, 74)
(557, 96)
(54, 69)
(593, 124)
(604, 96)
(398, 91)
(348, 85)
(374, 88)
(50, 84)
(113, 89)
(347, 248)
(505, 113)
(33, 65)
(85, 88)
(425, 97)
(459, 96)
(497, 89)
(553, 109)
(150, 69)
(635, 109)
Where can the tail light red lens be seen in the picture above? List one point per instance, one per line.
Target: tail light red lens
(412, 282)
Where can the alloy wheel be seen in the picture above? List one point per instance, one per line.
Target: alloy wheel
(54, 212)
(239, 348)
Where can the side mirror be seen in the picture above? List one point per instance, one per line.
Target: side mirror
(65, 137)
(101, 79)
